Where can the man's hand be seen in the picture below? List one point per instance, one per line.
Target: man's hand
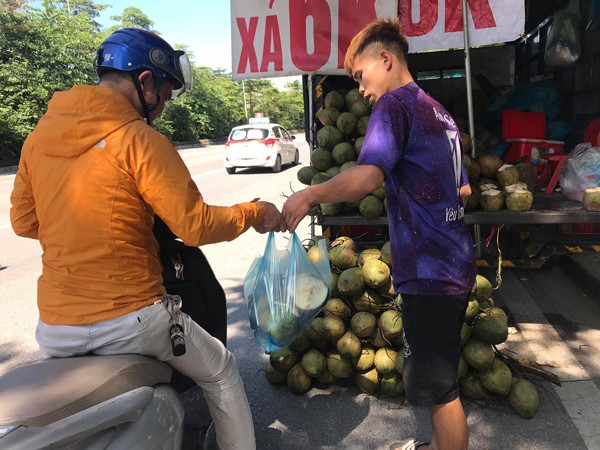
(295, 209)
(272, 220)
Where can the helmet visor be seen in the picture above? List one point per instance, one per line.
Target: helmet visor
(185, 69)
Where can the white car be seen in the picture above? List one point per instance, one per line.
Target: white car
(260, 145)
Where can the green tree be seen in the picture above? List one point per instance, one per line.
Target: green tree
(132, 17)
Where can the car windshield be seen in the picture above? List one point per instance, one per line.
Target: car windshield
(245, 134)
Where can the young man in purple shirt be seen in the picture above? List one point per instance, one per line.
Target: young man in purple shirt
(413, 147)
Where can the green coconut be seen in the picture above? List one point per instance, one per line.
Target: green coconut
(333, 171)
(352, 96)
(361, 125)
(314, 363)
(486, 303)
(351, 206)
(321, 159)
(472, 310)
(334, 282)
(358, 144)
(371, 206)
(320, 177)
(367, 254)
(591, 199)
(349, 345)
(385, 359)
(387, 290)
(284, 328)
(390, 323)
(326, 377)
(471, 387)
(378, 340)
(491, 200)
(498, 378)
(333, 328)
(298, 380)
(283, 359)
(524, 398)
(343, 152)
(375, 273)
(519, 200)
(528, 174)
(347, 165)
(315, 254)
(399, 362)
(507, 175)
(491, 327)
(331, 209)
(369, 301)
(473, 200)
(334, 99)
(363, 324)
(343, 241)
(301, 343)
(391, 384)
(328, 137)
(482, 288)
(489, 165)
(328, 116)
(346, 123)
(339, 366)
(465, 334)
(275, 376)
(351, 282)
(463, 367)
(379, 193)
(478, 354)
(343, 257)
(314, 332)
(386, 253)
(367, 382)
(337, 307)
(361, 108)
(306, 174)
(365, 359)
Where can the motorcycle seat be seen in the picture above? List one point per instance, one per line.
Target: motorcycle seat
(43, 392)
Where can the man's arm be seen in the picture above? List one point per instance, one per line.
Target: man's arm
(351, 184)
(23, 216)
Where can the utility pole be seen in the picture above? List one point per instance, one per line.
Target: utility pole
(245, 105)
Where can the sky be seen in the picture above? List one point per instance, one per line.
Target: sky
(204, 26)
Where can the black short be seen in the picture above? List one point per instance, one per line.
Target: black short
(432, 349)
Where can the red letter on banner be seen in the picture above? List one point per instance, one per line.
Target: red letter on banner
(272, 39)
(247, 53)
(321, 15)
(481, 11)
(353, 16)
(428, 16)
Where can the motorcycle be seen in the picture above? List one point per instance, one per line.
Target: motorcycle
(120, 401)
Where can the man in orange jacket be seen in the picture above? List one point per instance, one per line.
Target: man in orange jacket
(91, 176)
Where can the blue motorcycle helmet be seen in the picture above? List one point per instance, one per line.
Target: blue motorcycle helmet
(134, 50)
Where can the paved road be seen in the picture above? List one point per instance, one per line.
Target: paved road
(557, 319)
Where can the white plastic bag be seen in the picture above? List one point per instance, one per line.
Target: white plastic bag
(581, 172)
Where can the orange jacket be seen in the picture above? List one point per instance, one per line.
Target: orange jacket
(91, 176)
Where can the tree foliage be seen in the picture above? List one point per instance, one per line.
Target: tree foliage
(51, 46)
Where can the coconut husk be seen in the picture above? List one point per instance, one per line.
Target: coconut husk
(527, 174)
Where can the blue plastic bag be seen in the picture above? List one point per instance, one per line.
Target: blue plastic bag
(284, 290)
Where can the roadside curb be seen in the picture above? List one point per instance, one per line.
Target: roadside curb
(585, 268)
(8, 170)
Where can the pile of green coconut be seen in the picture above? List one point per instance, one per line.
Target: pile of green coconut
(357, 336)
(344, 118)
(497, 186)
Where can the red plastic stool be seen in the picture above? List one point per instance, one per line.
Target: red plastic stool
(553, 166)
(592, 133)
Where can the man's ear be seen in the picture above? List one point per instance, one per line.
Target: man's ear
(146, 77)
(386, 58)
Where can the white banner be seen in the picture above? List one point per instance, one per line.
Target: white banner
(272, 38)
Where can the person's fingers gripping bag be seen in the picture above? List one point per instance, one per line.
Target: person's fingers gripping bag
(284, 290)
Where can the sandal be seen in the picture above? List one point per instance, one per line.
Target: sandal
(410, 445)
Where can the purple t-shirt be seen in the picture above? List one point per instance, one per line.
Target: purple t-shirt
(417, 145)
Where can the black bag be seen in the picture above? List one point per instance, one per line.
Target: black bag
(203, 297)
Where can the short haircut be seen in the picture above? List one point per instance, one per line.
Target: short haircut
(386, 33)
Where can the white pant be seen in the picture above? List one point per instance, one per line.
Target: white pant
(145, 332)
